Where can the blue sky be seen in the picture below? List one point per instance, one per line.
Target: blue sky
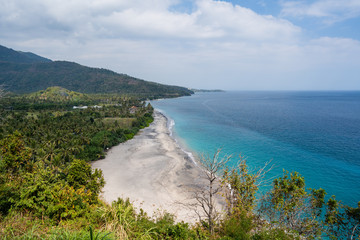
(334, 22)
(235, 45)
(330, 20)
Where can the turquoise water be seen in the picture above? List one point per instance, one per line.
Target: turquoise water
(314, 133)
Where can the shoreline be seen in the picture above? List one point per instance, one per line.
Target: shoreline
(170, 123)
(153, 171)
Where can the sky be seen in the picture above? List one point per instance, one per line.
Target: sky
(230, 45)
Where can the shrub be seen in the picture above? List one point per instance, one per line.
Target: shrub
(237, 226)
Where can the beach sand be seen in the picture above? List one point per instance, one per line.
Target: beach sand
(152, 171)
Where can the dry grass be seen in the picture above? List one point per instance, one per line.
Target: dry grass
(121, 122)
(21, 225)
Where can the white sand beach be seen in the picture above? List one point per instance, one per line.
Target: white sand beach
(152, 171)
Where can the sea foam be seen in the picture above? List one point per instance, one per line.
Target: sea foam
(170, 123)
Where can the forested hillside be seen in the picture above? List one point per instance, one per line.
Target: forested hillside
(27, 72)
(10, 55)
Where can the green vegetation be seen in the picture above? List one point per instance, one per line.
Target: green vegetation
(287, 211)
(9, 55)
(48, 189)
(26, 78)
(58, 94)
(26, 72)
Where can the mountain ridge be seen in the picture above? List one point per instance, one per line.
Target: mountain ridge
(26, 77)
(10, 55)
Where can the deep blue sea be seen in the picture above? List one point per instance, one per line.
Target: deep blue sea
(314, 133)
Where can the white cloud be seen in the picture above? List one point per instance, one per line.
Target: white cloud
(215, 45)
(243, 23)
(329, 10)
(211, 19)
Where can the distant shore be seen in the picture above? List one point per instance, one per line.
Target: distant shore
(151, 170)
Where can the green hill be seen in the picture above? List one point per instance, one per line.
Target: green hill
(58, 94)
(35, 76)
(10, 55)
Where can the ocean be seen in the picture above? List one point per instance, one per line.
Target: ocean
(314, 133)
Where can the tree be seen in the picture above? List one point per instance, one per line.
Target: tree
(205, 197)
(2, 91)
(14, 155)
(240, 186)
(81, 175)
(290, 206)
(343, 222)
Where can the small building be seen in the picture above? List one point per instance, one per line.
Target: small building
(133, 110)
(80, 107)
(96, 106)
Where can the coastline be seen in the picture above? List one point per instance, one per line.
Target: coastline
(152, 171)
(170, 123)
